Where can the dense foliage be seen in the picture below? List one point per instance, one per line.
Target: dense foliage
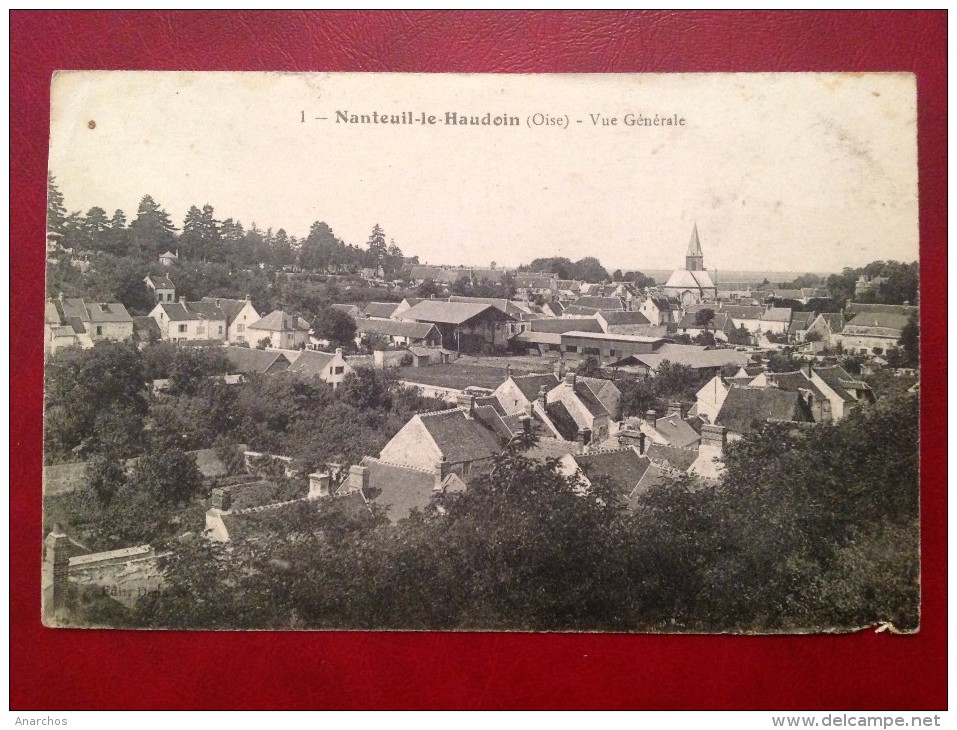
(810, 528)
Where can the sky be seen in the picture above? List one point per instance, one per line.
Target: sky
(784, 172)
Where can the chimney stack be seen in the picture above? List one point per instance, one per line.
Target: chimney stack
(714, 436)
(249, 298)
(570, 378)
(526, 422)
(318, 485)
(674, 408)
(584, 438)
(651, 417)
(631, 437)
(471, 406)
(441, 471)
(182, 300)
(338, 352)
(559, 369)
(358, 478)
(222, 499)
(543, 397)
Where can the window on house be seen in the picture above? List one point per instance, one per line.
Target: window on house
(220, 329)
(200, 330)
(99, 330)
(340, 370)
(182, 329)
(240, 327)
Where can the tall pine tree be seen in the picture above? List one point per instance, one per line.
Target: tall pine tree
(56, 212)
(153, 231)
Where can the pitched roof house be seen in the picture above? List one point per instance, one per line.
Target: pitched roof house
(776, 320)
(869, 330)
(746, 408)
(465, 326)
(610, 321)
(464, 443)
(248, 361)
(577, 397)
(163, 289)
(72, 322)
(330, 367)
(240, 314)
(668, 430)
(710, 397)
(620, 469)
(844, 392)
(283, 330)
(184, 321)
(659, 309)
(399, 488)
(380, 309)
(401, 332)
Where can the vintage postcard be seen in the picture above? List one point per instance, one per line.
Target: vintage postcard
(616, 353)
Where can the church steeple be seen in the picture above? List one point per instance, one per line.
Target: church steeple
(694, 259)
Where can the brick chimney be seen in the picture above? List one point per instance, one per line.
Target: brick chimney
(651, 417)
(222, 499)
(442, 469)
(249, 298)
(526, 422)
(584, 438)
(543, 397)
(674, 408)
(714, 436)
(318, 485)
(338, 352)
(570, 378)
(358, 478)
(630, 437)
(559, 369)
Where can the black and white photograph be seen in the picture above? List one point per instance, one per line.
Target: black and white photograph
(460, 352)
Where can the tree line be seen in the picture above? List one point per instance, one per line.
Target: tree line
(585, 269)
(205, 238)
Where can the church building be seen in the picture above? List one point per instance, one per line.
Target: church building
(691, 285)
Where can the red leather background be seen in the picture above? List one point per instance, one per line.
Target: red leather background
(107, 669)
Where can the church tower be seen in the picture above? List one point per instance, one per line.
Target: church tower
(694, 259)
